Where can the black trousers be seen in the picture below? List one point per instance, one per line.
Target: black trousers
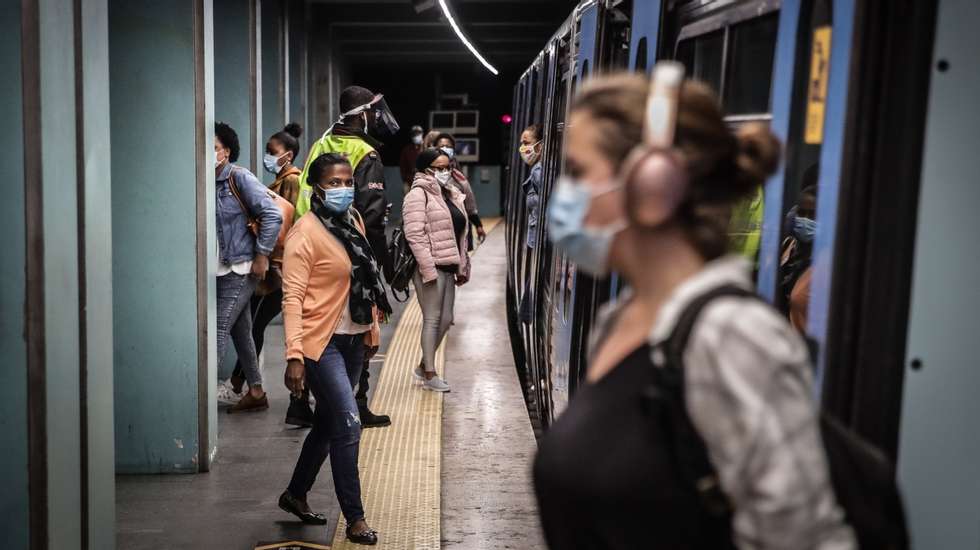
(264, 309)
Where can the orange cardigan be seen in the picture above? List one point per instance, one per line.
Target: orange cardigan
(315, 285)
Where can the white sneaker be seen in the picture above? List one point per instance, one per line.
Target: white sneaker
(419, 373)
(226, 394)
(435, 384)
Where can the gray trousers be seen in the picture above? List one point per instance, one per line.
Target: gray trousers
(436, 300)
(235, 322)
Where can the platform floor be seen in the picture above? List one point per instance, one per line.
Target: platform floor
(476, 485)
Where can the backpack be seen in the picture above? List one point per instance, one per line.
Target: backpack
(403, 263)
(862, 476)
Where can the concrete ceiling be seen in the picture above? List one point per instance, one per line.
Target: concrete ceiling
(507, 33)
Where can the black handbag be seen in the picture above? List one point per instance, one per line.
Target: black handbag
(403, 265)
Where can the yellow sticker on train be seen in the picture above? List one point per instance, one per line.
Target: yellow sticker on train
(816, 101)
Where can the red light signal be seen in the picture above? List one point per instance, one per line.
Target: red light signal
(506, 119)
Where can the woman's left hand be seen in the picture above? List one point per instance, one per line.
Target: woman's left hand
(481, 234)
(462, 280)
(260, 265)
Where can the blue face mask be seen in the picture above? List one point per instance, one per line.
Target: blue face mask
(271, 163)
(804, 229)
(587, 247)
(449, 151)
(337, 201)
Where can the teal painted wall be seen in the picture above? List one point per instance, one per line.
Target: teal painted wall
(154, 201)
(231, 97)
(272, 117)
(13, 376)
(297, 47)
(231, 74)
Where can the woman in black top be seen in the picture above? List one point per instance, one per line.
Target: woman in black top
(650, 204)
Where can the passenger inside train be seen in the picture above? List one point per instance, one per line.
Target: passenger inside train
(679, 274)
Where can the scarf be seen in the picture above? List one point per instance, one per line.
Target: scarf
(366, 289)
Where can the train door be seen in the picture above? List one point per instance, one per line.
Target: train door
(939, 451)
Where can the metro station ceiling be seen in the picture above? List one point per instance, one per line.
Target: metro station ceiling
(508, 33)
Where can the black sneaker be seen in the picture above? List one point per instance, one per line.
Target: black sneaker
(299, 412)
(371, 420)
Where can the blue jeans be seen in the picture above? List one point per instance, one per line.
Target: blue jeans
(235, 321)
(336, 428)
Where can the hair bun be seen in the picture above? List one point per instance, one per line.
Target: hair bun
(757, 156)
(293, 129)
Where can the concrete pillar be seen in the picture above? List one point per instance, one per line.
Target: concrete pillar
(58, 484)
(14, 504)
(273, 85)
(233, 75)
(164, 247)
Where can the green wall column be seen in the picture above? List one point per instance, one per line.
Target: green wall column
(164, 249)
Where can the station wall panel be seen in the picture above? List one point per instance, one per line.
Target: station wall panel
(13, 379)
(155, 233)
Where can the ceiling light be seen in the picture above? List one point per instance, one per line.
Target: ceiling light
(422, 5)
(463, 39)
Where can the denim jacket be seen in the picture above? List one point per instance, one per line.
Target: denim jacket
(532, 190)
(236, 243)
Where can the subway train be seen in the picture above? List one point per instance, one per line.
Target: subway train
(827, 78)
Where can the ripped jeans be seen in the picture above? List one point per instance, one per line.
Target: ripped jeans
(336, 428)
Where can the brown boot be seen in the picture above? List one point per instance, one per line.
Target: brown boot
(250, 404)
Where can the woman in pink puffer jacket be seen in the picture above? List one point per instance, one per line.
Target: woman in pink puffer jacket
(436, 228)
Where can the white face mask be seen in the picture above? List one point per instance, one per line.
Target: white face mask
(417, 140)
(217, 162)
(587, 247)
(443, 177)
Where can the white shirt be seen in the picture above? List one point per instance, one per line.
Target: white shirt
(347, 325)
(240, 268)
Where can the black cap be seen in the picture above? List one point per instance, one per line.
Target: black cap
(427, 157)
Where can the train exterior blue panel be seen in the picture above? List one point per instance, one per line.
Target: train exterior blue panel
(585, 57)
(645, 24)
(835, 125)
(782, 102)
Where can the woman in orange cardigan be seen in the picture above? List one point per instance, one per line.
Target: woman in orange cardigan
(332, 296)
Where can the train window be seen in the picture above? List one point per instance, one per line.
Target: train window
(752, 48)
(703, 57)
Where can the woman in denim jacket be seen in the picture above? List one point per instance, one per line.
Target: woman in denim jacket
(243, 256)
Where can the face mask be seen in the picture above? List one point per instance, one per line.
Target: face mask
(443, 177)
(217, 162)
(449, 151)
(588, 247)
(804, 229)
(417, 140)
(528, 153)
(337, 201)
(271, 163)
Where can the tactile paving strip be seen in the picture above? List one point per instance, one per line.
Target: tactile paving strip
(400, 465)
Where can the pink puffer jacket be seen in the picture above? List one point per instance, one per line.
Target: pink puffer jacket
(428, 228)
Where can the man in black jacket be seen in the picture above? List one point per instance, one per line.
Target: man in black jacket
(364, 114)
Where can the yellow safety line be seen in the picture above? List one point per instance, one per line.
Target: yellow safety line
(400, 465)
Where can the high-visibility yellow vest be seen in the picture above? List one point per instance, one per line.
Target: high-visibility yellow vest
(352, 147)
(745, 228)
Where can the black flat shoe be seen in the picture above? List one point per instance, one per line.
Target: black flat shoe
(298, 508)
(299, 412)
(369, 537)
(371, 420)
